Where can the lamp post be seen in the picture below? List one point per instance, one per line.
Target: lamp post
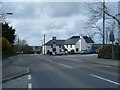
(3, 16)
(9, 13)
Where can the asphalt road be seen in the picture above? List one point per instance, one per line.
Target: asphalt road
(59, 72)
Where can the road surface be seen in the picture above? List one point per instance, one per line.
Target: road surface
(59, 72)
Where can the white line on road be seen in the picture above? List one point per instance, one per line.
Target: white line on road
(107, 66)
(49, 60)
(29, 77)
(65, 65)
(104, 79)
(29, 86)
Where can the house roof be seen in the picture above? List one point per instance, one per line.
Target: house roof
(88, 39)
(58, 42)
(72, 40)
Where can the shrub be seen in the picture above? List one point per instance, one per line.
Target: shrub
(72, 51)
(107, 52)
(5, 44)
(7, 49)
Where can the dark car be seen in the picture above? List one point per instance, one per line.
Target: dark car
(91, 51)
(87, 51)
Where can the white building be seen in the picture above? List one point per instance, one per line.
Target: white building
(78, 43)
(49, 46)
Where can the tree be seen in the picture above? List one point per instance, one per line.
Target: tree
(96, 14)
(21, 46)
(8, 33)
(5, 44)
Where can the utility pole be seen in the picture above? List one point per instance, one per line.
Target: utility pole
(118, 24)
(44, 44)
(103, 24)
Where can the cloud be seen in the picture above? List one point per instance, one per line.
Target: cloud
(61, 19)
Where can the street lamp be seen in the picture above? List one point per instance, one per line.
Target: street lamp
(9, 13)
(3, 16)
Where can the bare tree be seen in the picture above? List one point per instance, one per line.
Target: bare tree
(96, 13)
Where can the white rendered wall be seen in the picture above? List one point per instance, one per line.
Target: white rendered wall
(83, 44)
(48, 47)
(69, 47)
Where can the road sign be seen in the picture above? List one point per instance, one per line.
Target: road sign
(111, 36)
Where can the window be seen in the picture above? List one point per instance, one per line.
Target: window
(70, 46)
(67, 46)
(60, 46)
(60, 50)
(77, 49)
(51, 46)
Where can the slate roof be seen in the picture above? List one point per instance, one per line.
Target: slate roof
(58, 42)
(70, 41)
(74, 39)
(88, 39)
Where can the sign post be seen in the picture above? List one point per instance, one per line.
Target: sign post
(112, 40)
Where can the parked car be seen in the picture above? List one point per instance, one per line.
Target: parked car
(83, 51)
(62, 53)
(87, 51)
(92, 51)
(98, 50)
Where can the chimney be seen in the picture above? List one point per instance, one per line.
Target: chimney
(81, 35)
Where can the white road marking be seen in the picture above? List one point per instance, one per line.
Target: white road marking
(29, 86)
(29, 77)
(107, 66)
(65, 65)
(49, 60)
(105, 79)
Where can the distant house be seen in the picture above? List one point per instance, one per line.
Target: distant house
(49, 46)
(78, 43)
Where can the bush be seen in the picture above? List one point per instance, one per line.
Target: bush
(5, 44)
(107, 52)
(7, 49)
(72, 51)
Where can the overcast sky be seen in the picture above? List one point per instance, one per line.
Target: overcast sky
(60, 19)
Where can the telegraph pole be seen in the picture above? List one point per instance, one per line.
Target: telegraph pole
(44, 44)
(103, 24)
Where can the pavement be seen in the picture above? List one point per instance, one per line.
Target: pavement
(108, 62)
(93, 58)
(11, 71)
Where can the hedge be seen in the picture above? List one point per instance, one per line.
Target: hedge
(107, 52)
